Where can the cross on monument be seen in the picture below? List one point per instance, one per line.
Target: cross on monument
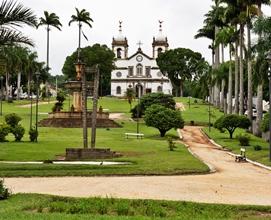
(139, 44)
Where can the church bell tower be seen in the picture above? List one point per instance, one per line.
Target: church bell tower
(160, 42)
(120, 44)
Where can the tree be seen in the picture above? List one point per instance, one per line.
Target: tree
(153, 98)
(12, 16)
(130, 95)
(181, 64)
(231, 122)
(81, 17)
(163, 118)
(92, 55)
(50, 19)
(265, 123)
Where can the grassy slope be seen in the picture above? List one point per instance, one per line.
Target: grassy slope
(30, 206)
(149, 156)
(233, 144)
(199, 113)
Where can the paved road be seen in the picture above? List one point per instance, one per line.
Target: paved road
(232, 183)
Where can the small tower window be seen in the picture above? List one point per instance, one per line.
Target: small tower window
(119, 50)
(159, 50)
(139, 69)
(118, 90)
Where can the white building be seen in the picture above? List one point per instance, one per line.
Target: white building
(138, 71)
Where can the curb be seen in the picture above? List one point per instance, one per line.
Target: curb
(233, 155)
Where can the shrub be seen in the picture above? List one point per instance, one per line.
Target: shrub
(122, 209)
(243, 140)
(231, 122)
(18, 132)
(59, 104)
(33, 134)
(265, 123)
(257, 147)
(4, 130)
(153, 98)
(171, 144)
(4, 192)
(163, 118)
(12, 119)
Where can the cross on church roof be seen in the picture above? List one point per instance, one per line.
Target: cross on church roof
(120, 26)
(160, 25)
(139, 44)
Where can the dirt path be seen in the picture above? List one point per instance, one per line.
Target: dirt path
(34, 104)
(232, 183)
(180, 106)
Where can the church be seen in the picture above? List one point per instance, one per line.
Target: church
(138, 71)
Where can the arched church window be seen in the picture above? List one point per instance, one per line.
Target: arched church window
(159, 50)
(119, 50)
(159, 89)
(139, 69)
(118, 90)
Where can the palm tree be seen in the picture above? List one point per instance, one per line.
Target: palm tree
(262, 27)
(226, 37)
(81, 17)
(208, 32)
(31, 68)
(20, 55)
(50, 19)
(12, 16)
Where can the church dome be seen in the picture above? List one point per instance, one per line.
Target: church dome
(160, 37)
(120, 37)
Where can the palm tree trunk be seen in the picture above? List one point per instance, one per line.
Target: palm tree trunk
(230, 85)
(47, 60)
(79, 41)
(223, 83)
(249, 72)
(28, 85)
(241, 107)
(259, 108)
(217, 58)
(18, 85)
(236, 78)
(7, 86)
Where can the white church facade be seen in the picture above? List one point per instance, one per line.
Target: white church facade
(138, 71)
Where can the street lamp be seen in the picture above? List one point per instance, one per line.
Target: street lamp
(80, 71)
(138, 107)
(31, 103)
(37, 103)
(2, 91)
(268, 59)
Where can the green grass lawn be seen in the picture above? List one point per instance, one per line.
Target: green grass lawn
(223, 139)
(198, 112)
(33, 206)
(148, 156)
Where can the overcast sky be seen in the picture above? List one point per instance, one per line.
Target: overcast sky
(140, 18)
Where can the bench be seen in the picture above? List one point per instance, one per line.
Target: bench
(138, 135)
(242, 156)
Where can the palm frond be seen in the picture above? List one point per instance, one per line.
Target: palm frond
(15, 14)
(10, 37)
